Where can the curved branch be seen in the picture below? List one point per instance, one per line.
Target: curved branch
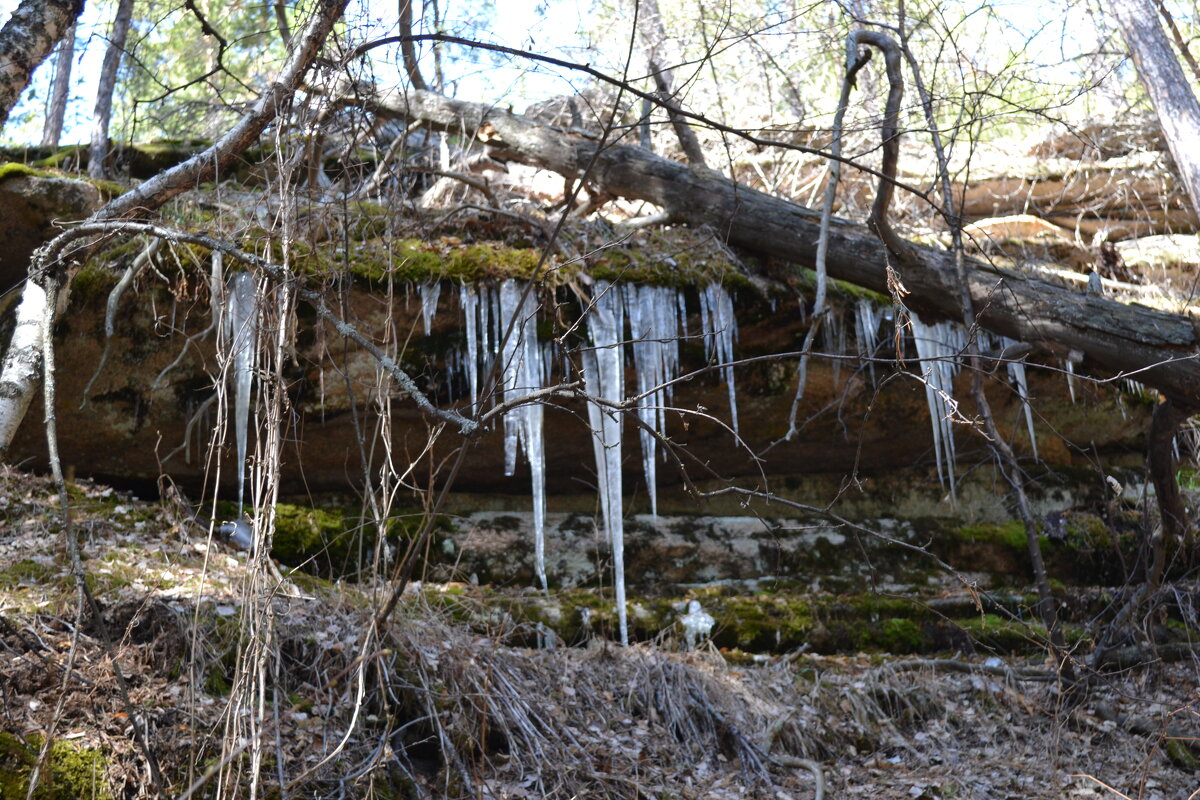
(878, 221)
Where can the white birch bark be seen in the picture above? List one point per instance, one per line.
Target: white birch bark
(25, 41)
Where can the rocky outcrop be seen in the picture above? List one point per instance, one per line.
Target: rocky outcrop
(857, 419)
(34, 208)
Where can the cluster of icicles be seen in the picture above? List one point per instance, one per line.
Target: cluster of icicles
(645, 322)
(627, 325)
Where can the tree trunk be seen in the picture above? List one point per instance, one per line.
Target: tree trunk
(659, 55)
(61, 91)
(102, 116)
(1159, 347)
(25, 41)
(1173, 100)
(23, 360)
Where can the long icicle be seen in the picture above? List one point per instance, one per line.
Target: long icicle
(603, 371)
(243, 340)
(938, 348)
(524, 372)
(1016, 373)
(653, 333)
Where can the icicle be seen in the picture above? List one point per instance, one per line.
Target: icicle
(523, 372)
(866, 331)
(681, 300)
(603, 374)
(430, 292)
(720, 329)
(468, 298)
(1070, 368)
(938, 347)
(1016, 373)
(242, 334)
(510, 297)
(833, 336)
(652, 328)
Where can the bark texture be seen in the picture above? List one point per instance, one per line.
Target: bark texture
(1173, 100)
(102, 115)
(25, 41)
(1155, 347)
(61, 92)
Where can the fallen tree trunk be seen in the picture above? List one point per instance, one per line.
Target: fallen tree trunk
(1157, 348)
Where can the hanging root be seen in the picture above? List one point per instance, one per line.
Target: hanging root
(110, 312)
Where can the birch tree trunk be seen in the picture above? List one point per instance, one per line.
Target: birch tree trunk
(21, 370)
(1164, 80)
(60, 92)
(102, 115)
(25, 41)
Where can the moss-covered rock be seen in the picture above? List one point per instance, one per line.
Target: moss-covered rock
(71, 772)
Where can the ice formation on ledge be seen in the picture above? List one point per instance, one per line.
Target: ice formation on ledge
(522, 372)
(867, 317)
(603, 374)
(430, 292)
(654, 331)
(939, 346)
(1016, 373)
(657, 318)
(720, 330)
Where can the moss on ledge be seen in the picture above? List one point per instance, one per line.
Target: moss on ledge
(71, 772)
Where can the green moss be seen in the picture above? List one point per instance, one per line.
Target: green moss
(58, 158)
(899, 635)
(1181, 755)
(1188, 479)
(93, 281)
(12, 169)
(681, 270)
(108, 189)
(995, 633)
(24, 572)
(71, 772)
(762, 622)
(302, 534)
(1010, 534)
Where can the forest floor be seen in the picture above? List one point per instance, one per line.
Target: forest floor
(231, 668)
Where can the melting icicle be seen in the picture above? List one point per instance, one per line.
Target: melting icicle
(1070, 367)
(242, 334)
(430, 292)
(938, 347)
(469, 300)
(603, 373)
(523, 372)
(511, 362)
(697, 624)
(866, 331)
(652, 327)
(720, 329)
(1016, 373)
(833, 336)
